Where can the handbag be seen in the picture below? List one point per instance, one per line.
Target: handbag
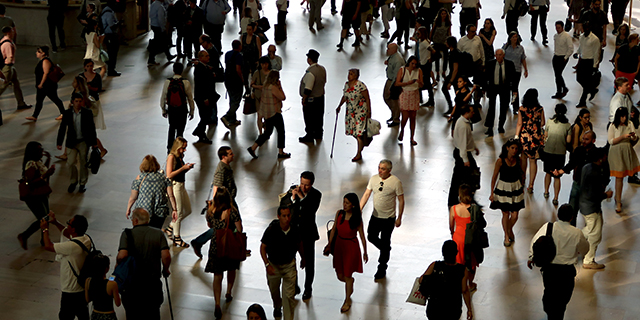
(249, 104)
(373, 127)
(28, 189)
(332, 247)
(218, 73)
(94, 161)
(56, 73)
(104, 56)
(395, 91)
(231, 245)
(415, 296)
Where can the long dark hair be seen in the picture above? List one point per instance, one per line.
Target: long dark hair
(621, 112)
(100, 266)
(257, 309)
(32, 152)
(356, 214)
(505, 152)
(221, 202)
(530, 99)
(583, 112)
(438, 20)
(561, 113)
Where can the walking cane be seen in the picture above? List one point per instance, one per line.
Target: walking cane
(204, 210)
(166, 281)
(335, 126)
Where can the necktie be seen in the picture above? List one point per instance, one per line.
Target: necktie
(500, 80)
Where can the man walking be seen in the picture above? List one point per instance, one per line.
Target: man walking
(78, 126)
(143, 297)
(8, 49)
(215, 12)
(312, 93)
(205, 96)
(499, 74)
(562, 51)
(280, 242)
(559, 276)
(234, 82)
(589, 52)
(161, 40)
(71, 255)
(176, 93)
(55, 21)
(315, 10)
(469, 14)
(538, 9)
(304, 201)
(593, 182)
(386, 188)
(111, 26)
(394, 62)
(464, 161)
(223, 177)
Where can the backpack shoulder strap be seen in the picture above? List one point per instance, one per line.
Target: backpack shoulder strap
(84, 248)
(550, 229)
(131, 248)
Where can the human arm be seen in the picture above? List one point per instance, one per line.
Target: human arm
(259, 43)
(46, 68)
(400, 210)
(263, 254)
(303, 262)
(576, 137)
(172, 199)
(494, 177)
(519, 125)
(277, 92)
(342, 101)
(357, 12)
(365, 198)
(332, 233)
(454, 72)
(112, 290)
(399, 77)
(165, 256)
(163, 98)
(171, 173)
(542, 119)
(132, 199)
(428, 271)
(367, 100)
(365, 256)
(420, 79)
(524, 65)
(452, 224)
(615, 140)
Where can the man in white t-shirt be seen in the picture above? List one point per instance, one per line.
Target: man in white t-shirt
(71, 257)
(386, 188)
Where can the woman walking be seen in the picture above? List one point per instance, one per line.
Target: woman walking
(221, 214)
(439, 34)
(459, 217)
(176, 171)
(529, 129)
(409, 78)
(557, 135)
(94, 43)
(36, 175)
(358, 111)
(514, 52)
(445, 303)
(507, 188)
(488, 35)
(151, 190)
(623, 161)
(346, 255)
(102, 291)
(271, 111)
(257, 83)
(44, 86)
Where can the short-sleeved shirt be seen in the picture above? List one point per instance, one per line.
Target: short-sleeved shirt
(597, 21)
(628, 59)
(515, 55)
(223, 177)
(152, 193)
(384, 201)
(6, 22)
(232, 59)
(149, 243)
(69, 252)
(281, 246)
(556, 137)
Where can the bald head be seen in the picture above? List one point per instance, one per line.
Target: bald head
(500, 55)
(392, 48)
(139, 216)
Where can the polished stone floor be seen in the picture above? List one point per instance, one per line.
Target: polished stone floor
(507, 288)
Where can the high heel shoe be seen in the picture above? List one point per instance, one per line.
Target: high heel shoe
(168, 231)
(178, 242)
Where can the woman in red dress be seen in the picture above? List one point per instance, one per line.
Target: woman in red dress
(459, 217)
(346, 255)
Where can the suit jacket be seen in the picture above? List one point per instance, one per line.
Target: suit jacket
(86, 123)
(194, 29)
(510, 71)
(303, 213)
(204, 84)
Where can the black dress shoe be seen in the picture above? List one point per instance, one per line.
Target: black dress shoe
(306, 295)
(82, 189)
(557, 96)
(500, 130)
(252, 153)
(277, 312)
(305, 139)
(72, 188)
(393, 124)
(114, 74)
(380, 274)
(24, 107)
(297, 290)
(204, 140)
(489, 132)
(593, 94)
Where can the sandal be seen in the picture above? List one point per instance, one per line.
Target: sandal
(356, 159)
(168, 231)
(530, 190)
(346, 306)
(546, 195)
(178, 242)
(414, 143)
(62, 157)
(555, 202)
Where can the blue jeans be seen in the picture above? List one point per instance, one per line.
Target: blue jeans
(202, 239)
(235, 96)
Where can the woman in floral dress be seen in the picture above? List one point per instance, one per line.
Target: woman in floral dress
(529, 129)
(356, 95)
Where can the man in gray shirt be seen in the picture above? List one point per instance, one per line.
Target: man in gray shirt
(215, 12)
(394, 63)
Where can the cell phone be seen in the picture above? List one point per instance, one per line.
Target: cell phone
(112, 278)
(46, 218)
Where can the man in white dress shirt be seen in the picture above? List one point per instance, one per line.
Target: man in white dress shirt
(589, 52)
(562, 51)
(559, 276)
(464, 161)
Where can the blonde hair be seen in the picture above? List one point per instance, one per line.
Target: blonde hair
(149, 164)
(178, 143)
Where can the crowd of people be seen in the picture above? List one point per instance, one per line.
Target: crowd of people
(159, 201)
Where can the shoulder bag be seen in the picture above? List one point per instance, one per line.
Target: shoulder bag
(395, 91)
(231, 245)
(34, 188)
(55, 73)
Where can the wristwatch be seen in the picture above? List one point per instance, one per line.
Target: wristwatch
(266, 265)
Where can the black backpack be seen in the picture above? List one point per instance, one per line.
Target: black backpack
(521, 7)
(87, 266)
(176, 94)
(544, 249)
(1, 55)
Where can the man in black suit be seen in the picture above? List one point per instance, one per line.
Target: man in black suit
(205, 96)
(77, 124)
(194, 19)
(499, 75)
(304, 201)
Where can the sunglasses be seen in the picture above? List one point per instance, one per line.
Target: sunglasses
(381, 185)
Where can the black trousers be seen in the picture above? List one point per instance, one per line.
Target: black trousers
(442, 48)
(379, 234)
(467, 16)
(190, 41)
(48, 90)
(161, 44)
(618, 8)
(445, 91)
(215, 32)
(55, 21)
(177, 121)
(282, 17)
(39, 206)
(584, 76)
(277, 122)
(559, 63)
(542, 15)
(492, 94)
(143, 303)
(313, 112)
(512, 21)
(426, 77)
(207, 115)
(403, 24)
(113, 46)
(460, 173)
(309, 247)
(559, 281)
(73, 305)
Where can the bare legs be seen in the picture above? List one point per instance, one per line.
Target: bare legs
(411, 116)
(509, 219)
(348, 288)
(217, 288)
(358, 156)
(556, 186)
(533, 170)
(618, 194)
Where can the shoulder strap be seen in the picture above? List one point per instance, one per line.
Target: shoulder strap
(140, 186)
(550, 229)
(84, 248)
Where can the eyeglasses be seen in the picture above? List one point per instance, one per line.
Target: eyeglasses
(381, 185)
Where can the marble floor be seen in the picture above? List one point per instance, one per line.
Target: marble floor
(507, 288)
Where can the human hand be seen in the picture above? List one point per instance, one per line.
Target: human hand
(365, 257)
(51, 170)
(128, 213)
(502, 17)
(59, 147)
(303, 263)
(44, 224)
(338, 110)
(40, 86)
(491, 197)
(469, 314)
(355, 16)
(604, 43)
(164, 114)
(448, 85)
(530, 264)
(191, 116)
(526, 73)
(174, 216)
(52, 217)
(467, 164)
(326, 250)
(398, 222)
(609, 194)
(477, 151)
(270, 270)
(166, 273)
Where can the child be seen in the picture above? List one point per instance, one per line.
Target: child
(102, 291)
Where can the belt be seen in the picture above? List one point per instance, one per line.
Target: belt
(9, 64)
